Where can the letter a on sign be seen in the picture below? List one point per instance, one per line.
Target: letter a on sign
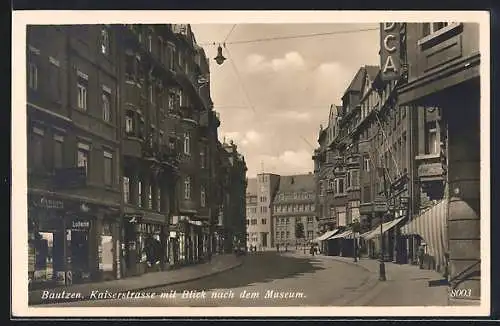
(390, 49)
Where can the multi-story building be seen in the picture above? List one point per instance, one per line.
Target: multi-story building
(293, 216)
(253, 227)
(324, 159)
(123, 143)
(440, 83)
(234, 198)
(259, 225)
(73, 154)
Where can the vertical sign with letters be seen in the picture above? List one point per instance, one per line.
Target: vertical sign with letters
(390, 48)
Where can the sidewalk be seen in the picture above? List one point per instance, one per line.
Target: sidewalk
(218, 264)
(406, 285)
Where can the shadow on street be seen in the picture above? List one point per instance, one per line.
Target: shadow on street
(260, 267)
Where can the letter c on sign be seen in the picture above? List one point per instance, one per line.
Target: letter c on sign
(386, 41)
(389, 26)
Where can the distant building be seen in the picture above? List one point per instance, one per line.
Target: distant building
(294, 209)
(259, 199)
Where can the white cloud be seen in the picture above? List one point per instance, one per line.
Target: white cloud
(247, 138)
(287, 163)
(258, 63)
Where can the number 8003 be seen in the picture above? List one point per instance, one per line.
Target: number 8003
(460, 292)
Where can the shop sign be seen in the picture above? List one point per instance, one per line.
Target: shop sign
(50, 203)
(80, 224)
(380, 205)
(390, 51)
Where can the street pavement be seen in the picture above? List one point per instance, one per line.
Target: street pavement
(295, 279)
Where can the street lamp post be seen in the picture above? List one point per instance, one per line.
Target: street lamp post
(382, 276)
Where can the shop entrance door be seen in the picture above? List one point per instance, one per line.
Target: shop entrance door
(80, 255)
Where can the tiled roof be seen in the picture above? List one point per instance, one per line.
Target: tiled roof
(297, 183)
(372, 71)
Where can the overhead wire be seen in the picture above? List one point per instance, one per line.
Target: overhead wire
(278, 38)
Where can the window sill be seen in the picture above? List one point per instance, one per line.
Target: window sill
(427, 156)
(439, 35)
(340, 195)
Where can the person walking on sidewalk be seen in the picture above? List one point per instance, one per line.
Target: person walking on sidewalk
(277, 247)
(421, 251)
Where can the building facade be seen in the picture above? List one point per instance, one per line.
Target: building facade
(234, 198)
(259, 220)
(441, 85)
(293, 215)
(123, 153)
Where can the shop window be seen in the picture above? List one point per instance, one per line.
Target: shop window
(309, 220)
(58, 151)
(83, 157)
(105, 250)
(339, 186)
(82, 90)
(108, 168)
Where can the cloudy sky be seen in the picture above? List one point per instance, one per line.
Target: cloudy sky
(273, 95)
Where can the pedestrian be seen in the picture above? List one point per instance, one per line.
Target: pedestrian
(421, 252)
(312, 250)
(278, 247)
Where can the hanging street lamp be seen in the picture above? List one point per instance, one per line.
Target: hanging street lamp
(220, 57)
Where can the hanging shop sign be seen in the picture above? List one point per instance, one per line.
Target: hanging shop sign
(390, 49)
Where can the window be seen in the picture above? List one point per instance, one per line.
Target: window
(150, 43)
(140, 201)
(248, 222)
(366, 164)
(158, 199)
(129, 122)
(187, 143)
(171, 56)
(33, 76)
(431, 28)
(432, 144)
(254, 221)
(339, 186)
(353, 178)
(151, 94)
(126, 190)
(108, 168)
(81, 85)
(171, 102)
(341, 215)
(309, 219)
(104, 40)
(37, 147)
(187, 188)
(202, 158)
(58, 151)
(83, 156)
(150, 197)
(106, 106)
(287, 234)
(331, 184)
(264, 221)
(202, 196)
(54, 81)
(282, 234)
(322, 187)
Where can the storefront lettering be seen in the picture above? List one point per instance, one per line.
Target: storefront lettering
(389, 52)
(80, 224)
(51, 203)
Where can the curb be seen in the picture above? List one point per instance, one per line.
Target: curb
(229, 268)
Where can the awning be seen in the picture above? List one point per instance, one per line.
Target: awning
(345, 235)
(385, 227)
(431, 226)
(325, 235)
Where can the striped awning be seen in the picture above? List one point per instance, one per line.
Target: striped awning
(431, 226)
(325, 235)
(385, 227)
(345, 235)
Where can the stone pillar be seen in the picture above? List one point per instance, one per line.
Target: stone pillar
(464, 192)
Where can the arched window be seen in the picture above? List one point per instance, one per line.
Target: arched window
(187, 188)
(106, 107)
